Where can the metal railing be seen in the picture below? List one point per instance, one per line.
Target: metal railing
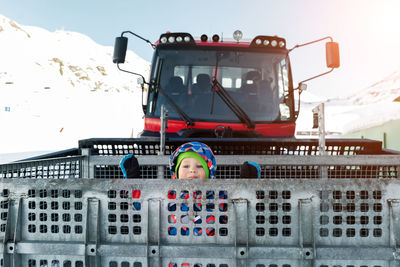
(272, 167)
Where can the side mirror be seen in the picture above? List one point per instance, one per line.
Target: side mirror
(140, 81)
(332, 55)
(145, 93)
(120, 47)
(302, 86)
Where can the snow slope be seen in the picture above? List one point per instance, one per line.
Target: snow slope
(59, 87)
(369, 107)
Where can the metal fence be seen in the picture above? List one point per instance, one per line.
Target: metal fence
(234, 146)
(272, 167)
(223, 223)
(57, 168)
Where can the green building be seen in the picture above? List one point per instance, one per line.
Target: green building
(388, 133)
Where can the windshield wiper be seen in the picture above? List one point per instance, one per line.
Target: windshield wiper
(231, 103)
(226, 97)
(184, 116)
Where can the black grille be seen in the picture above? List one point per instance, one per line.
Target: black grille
(249, 146)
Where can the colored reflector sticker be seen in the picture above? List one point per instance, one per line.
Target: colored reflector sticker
(210, 219)
(197, 194)
(197, 219)
(184, 231)
(136, 206)
(210, 194)
(171, 218)
(184, 194)
(197, 231)
(184, 207)
(171, 230)
(171, 194)
(223, 194)
(210, 231)
(136, 193)
(171, 206)
(210, 207)
(223, 206)
(197, 206)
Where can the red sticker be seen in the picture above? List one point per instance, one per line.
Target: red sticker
(171, 194)
(136, 193)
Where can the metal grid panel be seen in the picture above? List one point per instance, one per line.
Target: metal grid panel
(199, 262)
(268, 171)
(258, 146)
(59, 168)
(353, 213)
(114, 172)
(51, 261)
(123, 262)
(352, 263)
(4, 204)
(274, 215)
(53, 214)
(204, 222)
(196, 216)
(125, 216)
(333, 171)
(275, 263)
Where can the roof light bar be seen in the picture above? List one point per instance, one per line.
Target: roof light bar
(268, 42)
(176, 38)
(215, 38)
(237, 35)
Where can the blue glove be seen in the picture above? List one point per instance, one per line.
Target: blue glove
(250, 169)
(130, 166)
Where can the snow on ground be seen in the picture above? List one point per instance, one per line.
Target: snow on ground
(369, 107)
(57, 88)
(10, 157)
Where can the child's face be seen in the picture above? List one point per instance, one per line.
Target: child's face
(191, 168)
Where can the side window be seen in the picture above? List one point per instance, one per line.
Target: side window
(283, 85)
(182, 71)
(196, 70)
(231, 78)
(227, 82)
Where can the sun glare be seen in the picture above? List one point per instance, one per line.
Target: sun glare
(387, 20)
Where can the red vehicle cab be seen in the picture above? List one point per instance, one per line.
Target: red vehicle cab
(238, 89)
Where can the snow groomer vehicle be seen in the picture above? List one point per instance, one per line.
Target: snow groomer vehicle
(319, 202)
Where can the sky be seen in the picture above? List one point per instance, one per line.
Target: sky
(367, 31)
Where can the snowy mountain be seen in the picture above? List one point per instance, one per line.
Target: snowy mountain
(386, 90)
(59, 87)
(375, 105)
(369, 107)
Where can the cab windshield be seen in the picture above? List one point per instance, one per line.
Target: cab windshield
(257, 82)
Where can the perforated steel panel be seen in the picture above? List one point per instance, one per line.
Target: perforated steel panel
(234, 146)
(55, 213)
(58, 168)
(292, 222)
(269, 171)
